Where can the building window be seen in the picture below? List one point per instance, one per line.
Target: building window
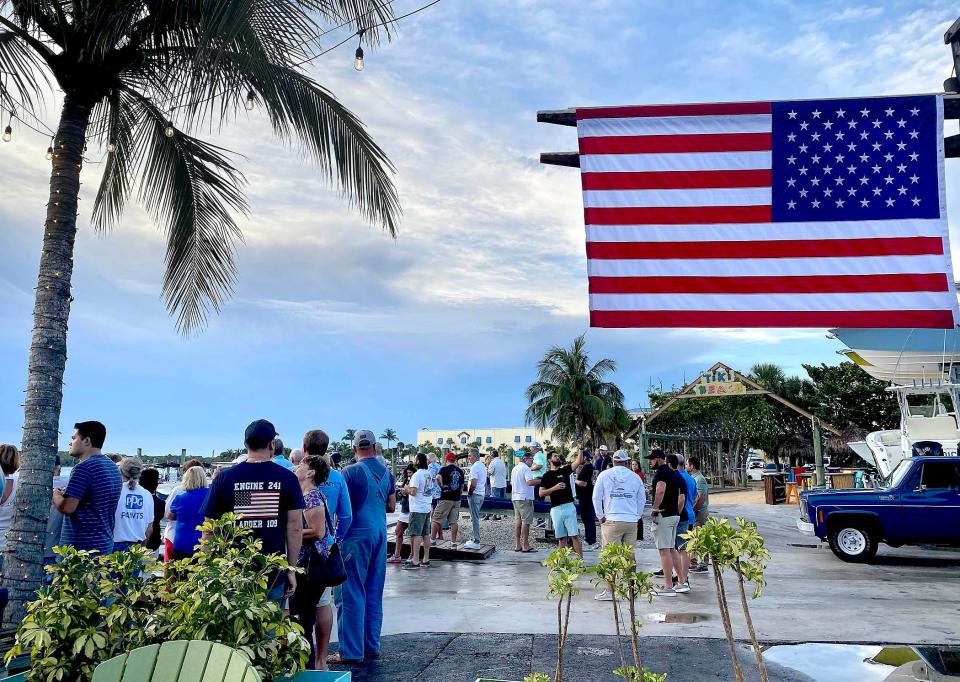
(529, 439)
(439, 441)
(463, 440)
(516, 439)
(489, 440)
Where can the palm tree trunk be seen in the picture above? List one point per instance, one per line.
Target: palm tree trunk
(746, 616)
(725, 617)
(23, 569)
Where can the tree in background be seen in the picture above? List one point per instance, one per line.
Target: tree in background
(571, 395)
(140, 80)
(846, 395)
(388, 435)
(348, 436)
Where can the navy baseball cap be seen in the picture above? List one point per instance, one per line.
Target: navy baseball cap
(260, 431)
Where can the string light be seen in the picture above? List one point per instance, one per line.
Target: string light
(111, 147)
(358, 57)
(169, 130)
(248, 105)
(8, 131)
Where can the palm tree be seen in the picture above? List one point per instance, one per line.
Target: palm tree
(570, 395)
(388, 435)
(140, 79)
(348, 436)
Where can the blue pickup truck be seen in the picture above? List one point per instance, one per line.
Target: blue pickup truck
(919, 505)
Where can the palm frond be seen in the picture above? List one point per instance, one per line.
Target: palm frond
(25, 75)
(192, 189)
(120, 125)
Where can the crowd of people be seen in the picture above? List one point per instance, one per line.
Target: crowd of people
(109, 505)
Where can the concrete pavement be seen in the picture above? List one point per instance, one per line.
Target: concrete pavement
(810, 596)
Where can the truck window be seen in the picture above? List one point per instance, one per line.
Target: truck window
(942, 475)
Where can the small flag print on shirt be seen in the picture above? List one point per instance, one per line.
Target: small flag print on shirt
(817, 213)
(257, 504)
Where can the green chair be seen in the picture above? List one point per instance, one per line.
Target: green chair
(178, 661)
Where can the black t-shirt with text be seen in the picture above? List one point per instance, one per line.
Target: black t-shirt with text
(554, 476)
(451, 477)
(671, 478)
(263, 493)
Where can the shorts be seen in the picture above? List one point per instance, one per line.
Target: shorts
(326, 599)
(523, 511)
(565, 521)
(682, 528)
(702, 516)
(447, 510)
(667, 532)
(404, 517)
(619, 533)
(419, 524)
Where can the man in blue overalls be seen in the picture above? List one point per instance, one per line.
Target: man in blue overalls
(360, 599)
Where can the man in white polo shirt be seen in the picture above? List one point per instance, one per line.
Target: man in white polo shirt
(476, 489)
(522, 480)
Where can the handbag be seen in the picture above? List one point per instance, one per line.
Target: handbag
(329, 570)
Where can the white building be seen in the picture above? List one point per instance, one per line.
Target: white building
(513, 437)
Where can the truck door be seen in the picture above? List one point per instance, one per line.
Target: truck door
(933, 507)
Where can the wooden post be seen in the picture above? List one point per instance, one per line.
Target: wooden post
(818, 453)
(139, 452)
(183, 456)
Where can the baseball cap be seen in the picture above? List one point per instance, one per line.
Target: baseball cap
(524, 454)
(604, 448)
(620, 456)
(451, 457)
(364, 438)
(260, 431)
(656, 453)
(536, 445)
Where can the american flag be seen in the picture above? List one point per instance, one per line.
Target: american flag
(257, 504)
(817, 213)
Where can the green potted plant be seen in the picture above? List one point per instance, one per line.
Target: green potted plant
(742, 549)
(98, 606)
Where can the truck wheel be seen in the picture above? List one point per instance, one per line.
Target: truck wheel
(853, 542)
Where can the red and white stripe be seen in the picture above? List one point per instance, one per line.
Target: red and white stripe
(677, 205)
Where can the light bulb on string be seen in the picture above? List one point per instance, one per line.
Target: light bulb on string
(169, 130)
(248, 105)
(358, 56)
(111, 147)
(50, 151)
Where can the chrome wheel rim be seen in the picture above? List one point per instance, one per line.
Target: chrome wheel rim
(852, 541)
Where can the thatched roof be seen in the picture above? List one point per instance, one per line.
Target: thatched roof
(837, 445)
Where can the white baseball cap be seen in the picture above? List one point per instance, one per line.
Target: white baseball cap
(604, 448)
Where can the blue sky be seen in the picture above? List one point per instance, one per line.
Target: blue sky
(335, 325)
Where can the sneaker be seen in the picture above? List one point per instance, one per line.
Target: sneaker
(702, 568)
(424, 564)
(471, 545)
(682, 589)
(657, 574)
(665, 593)
(394, 560)
(604, 596)
(410, 565)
